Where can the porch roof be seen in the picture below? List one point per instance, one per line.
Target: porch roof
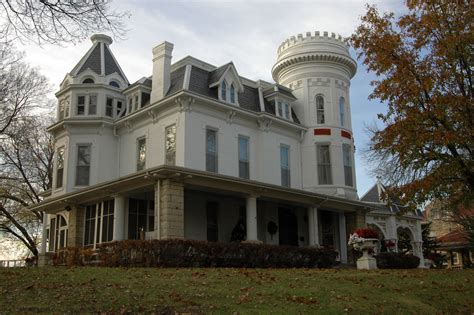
(198, 178)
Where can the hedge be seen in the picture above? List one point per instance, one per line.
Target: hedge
(189, 253)
(397, 261)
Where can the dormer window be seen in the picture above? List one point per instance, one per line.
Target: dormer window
(224, 91)
(284, 110)
(227, 83)
(287, 110)
(280, 109)
(232, 93)
(88, 81)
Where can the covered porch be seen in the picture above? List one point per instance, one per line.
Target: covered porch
(172, 202)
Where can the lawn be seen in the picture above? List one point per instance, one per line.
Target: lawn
(119, 290)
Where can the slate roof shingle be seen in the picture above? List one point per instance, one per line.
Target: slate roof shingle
(199, 83)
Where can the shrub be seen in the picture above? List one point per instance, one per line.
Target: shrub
(397, 261)
(189, 253)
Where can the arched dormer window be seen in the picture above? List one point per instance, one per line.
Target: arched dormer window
(232, 93)
(88, 81)
(320, 109)
(342, 105)
(224, 90)
(114, 84)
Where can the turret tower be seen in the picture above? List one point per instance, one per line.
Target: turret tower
(90, 99)
(318, 68)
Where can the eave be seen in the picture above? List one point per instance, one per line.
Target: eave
(148, 177)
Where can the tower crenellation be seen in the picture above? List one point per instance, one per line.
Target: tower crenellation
(309, 36)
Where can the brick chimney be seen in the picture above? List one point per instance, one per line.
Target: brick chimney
(161, 71)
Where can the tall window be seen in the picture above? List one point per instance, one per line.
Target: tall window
(211, 150)
(58, 230)
(60, 167)
(224, 90)
(320, 109)
(52, 234)
(141, 154)
(107, 219)
(138, 214)
(92, 104)
(109, 107)
(170, 145)
(285, 165)
(212, 224)
(324, 164)
(347, 160)
(81, 105)
(244, 157)
(83, 165)
(342, 106)
(232, 93)
(89, 229)
(99, 223)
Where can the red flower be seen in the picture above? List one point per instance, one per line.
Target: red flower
(366, 233)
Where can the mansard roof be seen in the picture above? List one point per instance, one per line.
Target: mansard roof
(201, 81)
(99, 59)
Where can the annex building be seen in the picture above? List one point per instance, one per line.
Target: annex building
(195, 150)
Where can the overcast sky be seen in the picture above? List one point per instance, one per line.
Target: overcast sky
(245, 32)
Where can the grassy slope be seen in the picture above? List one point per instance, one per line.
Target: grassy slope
(228, 290)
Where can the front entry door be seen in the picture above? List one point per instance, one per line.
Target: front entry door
(288, 227)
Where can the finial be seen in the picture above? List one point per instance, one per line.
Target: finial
(101, 38)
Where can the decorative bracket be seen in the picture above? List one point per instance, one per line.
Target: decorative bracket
(153, 116)
(264, 123)
(302, 133)
(230, 116)
(185, 103)
(129, 125)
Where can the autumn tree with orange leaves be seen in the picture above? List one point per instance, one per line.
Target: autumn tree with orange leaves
(424, 65)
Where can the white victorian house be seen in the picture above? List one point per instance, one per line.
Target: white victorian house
(193, 149)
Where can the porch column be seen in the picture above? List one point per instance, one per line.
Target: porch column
(343, 237)
(44, 235)
(171, 209)
(119, 218)
(313, 226)
(75, 234)
(251, 207)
